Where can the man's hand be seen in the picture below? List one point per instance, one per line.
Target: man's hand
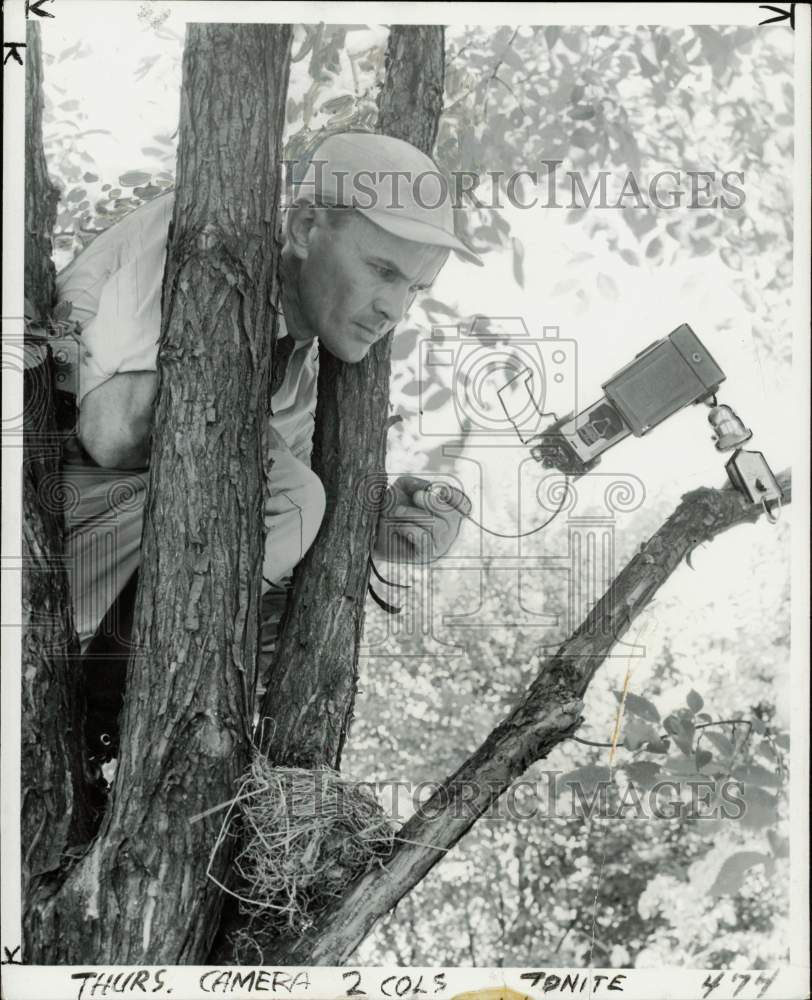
(420, 520)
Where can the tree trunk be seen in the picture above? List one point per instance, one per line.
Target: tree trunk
(312, 682)
(548, 713)
(312, 685)
(54, 808)
(142, 894)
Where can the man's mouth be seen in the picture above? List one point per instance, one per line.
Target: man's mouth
(370, 334)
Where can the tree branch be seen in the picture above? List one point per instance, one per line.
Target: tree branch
(56, 809)
(548, 713)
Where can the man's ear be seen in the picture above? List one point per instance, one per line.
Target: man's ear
(300, 225)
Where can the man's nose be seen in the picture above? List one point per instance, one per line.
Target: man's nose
(392, 303)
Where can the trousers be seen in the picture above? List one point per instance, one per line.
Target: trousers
(104, 515)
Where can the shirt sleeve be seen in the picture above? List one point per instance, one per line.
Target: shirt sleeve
(294, 403)
(115, 287)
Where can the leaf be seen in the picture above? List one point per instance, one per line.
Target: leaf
(755, 774)
(62, 310)
(77, 194)
(436, 399)
(719, 740)
(694, 701)
(562, 287)
(645, 773)
(630, 257)
(577, 93)
(702, 246)
(703, 758)
(574, 41)
(518, 261)
(404, 343)
(734, 870)
(732, 258)
(435, 306)
(583, 138)
(655, 248)
(637, 733)
(639, 706)
(682, 766)
(148, 192)
(682, 731)
(512, 58)
(133, 178)
(551, 35)
(760, 808)
(607, 287)
(582, 113)
(338, 105)
(588, 776)
(778, 845)
(89, 178)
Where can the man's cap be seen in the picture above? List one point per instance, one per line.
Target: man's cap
(389, 181)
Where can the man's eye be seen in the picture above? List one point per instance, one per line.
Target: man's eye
(384, 272)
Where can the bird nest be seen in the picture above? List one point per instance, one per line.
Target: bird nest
(302, 837)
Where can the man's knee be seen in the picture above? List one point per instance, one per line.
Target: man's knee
(293, 515)
(313, 507)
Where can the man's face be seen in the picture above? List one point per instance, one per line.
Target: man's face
(356, 282)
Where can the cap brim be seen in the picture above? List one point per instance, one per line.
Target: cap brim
(419, 232)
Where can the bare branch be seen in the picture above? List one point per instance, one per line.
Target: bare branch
(548, 713)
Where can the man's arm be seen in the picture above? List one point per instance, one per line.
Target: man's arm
(115, 420)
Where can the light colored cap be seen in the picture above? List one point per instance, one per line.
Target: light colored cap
(389, 181)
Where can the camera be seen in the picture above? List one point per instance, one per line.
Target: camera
(502, 379)
(668, 375)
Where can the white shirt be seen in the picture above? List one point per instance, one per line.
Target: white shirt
(115, 287)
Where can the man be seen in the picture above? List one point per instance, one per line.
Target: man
(351, 268)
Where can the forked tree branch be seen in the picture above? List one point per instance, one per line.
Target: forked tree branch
(548, 713)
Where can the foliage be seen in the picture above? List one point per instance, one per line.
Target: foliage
(703, 885)
(652, 99)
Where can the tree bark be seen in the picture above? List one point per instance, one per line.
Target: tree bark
(312, 682)
(548, 713)
(55, 810)
(142, 894)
